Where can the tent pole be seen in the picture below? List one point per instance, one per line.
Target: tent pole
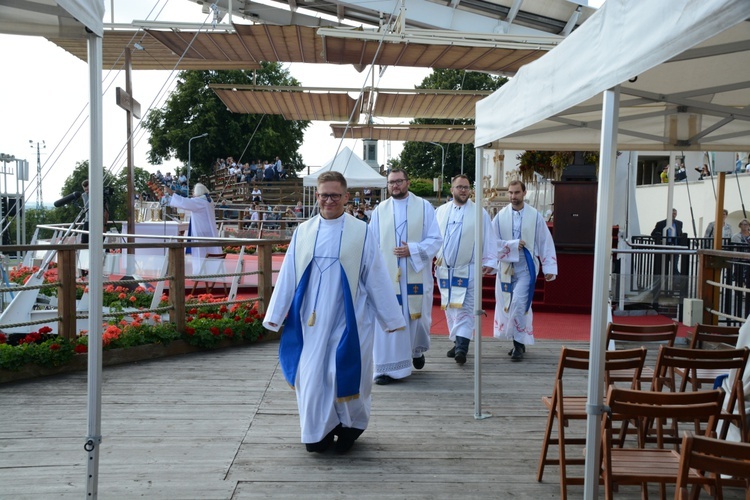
(478, 312)
(600, 289)
(96, 257)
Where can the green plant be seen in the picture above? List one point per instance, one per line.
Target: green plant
(421, 187)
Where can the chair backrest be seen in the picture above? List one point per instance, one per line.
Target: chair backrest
(649, 407)
(712, 458)
(689, 363)
(714, 334)
(624, 359)
(640, 334)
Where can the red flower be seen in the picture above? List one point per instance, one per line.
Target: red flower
(45, 329)
(189, 331)
(81, 349)
(3, 338)
(121, 296)
(193, 310)
(132, 298)
(215, 331)
(223, 309)
(237, 318)
(54, 347)
(228, 332)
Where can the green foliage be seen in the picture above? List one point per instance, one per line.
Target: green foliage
(422, 187)
(194, 108)
(51, 352)
(422, 159)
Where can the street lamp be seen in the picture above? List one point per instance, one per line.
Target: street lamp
(442, 169)
(190, 144)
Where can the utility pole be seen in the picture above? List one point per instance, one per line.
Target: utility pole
(39, 147)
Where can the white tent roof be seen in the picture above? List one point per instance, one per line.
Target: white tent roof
(355, 170)
(673, 75)
(54, 18)
(682, 67)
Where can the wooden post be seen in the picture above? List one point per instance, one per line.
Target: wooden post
(66, 293)
(177, 287)
(264, 278)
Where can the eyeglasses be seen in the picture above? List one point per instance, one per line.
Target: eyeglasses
(333, 197)
(462, 188)
(397, 182)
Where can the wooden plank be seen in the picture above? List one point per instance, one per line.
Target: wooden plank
(224, 424)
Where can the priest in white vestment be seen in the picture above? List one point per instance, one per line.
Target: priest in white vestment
(523, 241)
(335, 288)
(202, 221)
(454, 267)
(409, 237)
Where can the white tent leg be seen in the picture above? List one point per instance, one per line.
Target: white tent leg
(478, 312)
(96, 253)
(600, 289)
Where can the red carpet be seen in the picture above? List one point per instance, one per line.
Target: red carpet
(556, 326)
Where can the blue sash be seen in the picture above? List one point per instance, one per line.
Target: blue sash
(532, 277)
(290, 346)
(348, 356)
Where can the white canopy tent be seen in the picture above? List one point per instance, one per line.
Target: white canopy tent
(78, 19)
(358, 174)
(681, 69)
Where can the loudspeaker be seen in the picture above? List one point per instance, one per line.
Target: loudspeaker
(692, 313)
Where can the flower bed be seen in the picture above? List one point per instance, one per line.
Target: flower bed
(208, 326)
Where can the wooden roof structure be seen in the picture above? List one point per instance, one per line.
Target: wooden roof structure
(456, 134)
(247, 45)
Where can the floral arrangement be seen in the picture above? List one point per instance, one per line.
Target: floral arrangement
(251, 249)
(21, 275)
(208, 324)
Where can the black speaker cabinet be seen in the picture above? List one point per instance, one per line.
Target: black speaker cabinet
(575, 215)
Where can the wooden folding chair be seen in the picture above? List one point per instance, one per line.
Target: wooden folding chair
(641, 463)
(566, 408)
(640, 335)
(682, 370)
(209, 284)
(710, 459)
(717, 336)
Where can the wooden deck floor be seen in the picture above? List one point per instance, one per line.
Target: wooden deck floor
(224, 425)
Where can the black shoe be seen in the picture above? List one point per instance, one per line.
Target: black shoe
(518, 351)
(460, 357)
(346, 438)
(322, 445)
(418, 362)
(517, 345)
(452, 352)
(383, 380)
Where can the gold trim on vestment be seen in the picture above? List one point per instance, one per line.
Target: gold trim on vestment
(347, 398)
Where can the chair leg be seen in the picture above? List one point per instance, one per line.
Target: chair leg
(545, 444)
(561, 454)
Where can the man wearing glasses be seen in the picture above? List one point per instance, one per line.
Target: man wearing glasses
(454, 267)
(523, 240)
(405, 227)
(334, 287)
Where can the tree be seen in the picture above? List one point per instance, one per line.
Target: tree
(422, 159)
(194, 109)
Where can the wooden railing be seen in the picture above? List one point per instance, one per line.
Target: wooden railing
(67, 274)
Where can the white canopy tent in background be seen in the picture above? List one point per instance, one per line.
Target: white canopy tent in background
(358, 174)
(78, 19)
(683, 62)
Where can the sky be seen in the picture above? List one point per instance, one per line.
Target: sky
(46, 97)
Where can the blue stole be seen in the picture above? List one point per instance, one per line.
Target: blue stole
(348, 356)
(532, 277)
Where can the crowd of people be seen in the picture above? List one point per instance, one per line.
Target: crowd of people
(252, 171)
(356, 299)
